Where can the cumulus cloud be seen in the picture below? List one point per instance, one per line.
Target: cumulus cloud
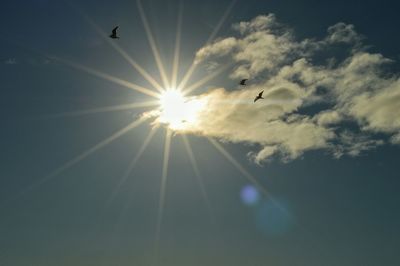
(242, 121)
(219, 49)
(378, 110)
(313, 98)
(328, 117)
(263, 45)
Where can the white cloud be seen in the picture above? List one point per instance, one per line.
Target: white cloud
(379, 110)
(260, 156)
(354, 144)
(307, 99)
(328, 117)
(261, 47)
(259, 23)
(343, 33)
(266, 123)
(219, 49)
(395, 139)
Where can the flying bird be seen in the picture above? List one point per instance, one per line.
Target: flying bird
(243, 82)
(114, 33)
(259, 96)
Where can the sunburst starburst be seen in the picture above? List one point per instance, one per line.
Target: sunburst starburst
(176, 110)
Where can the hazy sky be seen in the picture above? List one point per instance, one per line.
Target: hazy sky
(324, 144)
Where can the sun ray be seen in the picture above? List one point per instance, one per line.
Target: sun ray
(107, 77)
(132, 165)
(221, 21)
(199, 178)
(253, 180)
(238, 166)
(127, 173)
(146, 75)
(187, 76)
(248, 176)
(193, 66)
(122, 52)
(153, 45)
(206, 79)
(80, 157)
(102, 109)
(162, 190)
(94, 72)
(175, 65)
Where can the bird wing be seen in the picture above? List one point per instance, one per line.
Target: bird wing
(260, 94)
(243, 81)
(114, 31)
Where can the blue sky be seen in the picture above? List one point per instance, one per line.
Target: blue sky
(323, 144)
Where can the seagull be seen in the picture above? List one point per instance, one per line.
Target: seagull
(259, 96)
(114, 33)
(243, 82)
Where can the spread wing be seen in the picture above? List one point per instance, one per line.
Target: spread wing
(259, 96)
(114, 31)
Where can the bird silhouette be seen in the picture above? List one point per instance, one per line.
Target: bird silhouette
(259, 96)
(243, 82)
(114, 33)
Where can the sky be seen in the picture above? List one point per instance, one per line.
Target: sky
(145, 150)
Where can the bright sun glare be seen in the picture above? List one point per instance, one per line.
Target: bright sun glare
(177, 111)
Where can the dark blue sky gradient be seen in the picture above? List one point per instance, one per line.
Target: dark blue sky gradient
(337, 211)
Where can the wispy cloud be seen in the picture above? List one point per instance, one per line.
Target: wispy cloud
(11, 61)
(32, 61)
(314, 89)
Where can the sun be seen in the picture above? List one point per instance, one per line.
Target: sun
(171, 106)
(177, 111)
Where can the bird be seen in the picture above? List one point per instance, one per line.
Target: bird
(114, 33)
(259, 96)
(243, 82)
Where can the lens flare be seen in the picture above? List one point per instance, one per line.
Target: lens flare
(272, 219)
(250, 195)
